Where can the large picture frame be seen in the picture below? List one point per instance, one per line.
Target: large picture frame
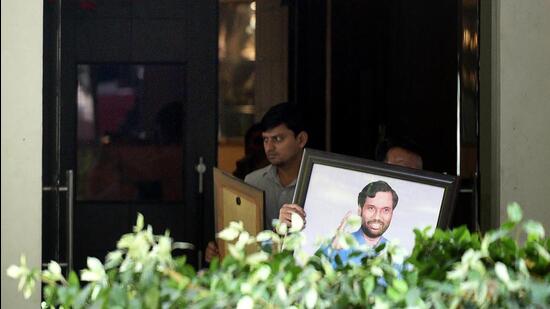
(235, 200)
(328, 186)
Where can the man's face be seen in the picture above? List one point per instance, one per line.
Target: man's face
(402, 157)
(376, 214)
(281, 145)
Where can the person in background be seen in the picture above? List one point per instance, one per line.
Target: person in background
(284, 139)
(254, 155)
(400, 151)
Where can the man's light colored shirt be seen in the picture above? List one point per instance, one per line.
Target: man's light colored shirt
(275, 194)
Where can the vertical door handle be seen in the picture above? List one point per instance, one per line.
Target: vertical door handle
(70, 216)
(69, 189)
(201, 169)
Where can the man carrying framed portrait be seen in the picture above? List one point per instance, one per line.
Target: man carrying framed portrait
(328, 187)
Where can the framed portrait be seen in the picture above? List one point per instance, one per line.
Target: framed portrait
(235, 200)
(328, 186)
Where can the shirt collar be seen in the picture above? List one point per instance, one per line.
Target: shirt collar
(271, 173)
(359, 236)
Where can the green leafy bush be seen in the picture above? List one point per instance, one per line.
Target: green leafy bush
(447, 269)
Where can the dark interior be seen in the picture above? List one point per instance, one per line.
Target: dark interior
(394, 69)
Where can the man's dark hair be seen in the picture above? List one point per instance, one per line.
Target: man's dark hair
(286, 113)
(396, 141)
(372, 188)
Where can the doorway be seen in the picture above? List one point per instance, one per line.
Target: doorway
(130, 125)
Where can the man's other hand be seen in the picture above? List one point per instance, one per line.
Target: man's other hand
(211, 251)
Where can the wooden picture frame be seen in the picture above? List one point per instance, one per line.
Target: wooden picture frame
(328, 186)
(235, 200)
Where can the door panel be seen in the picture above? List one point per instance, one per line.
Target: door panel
(122, 168)
(95, 234)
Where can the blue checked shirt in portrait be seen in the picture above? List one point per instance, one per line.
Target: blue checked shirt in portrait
(346, 255)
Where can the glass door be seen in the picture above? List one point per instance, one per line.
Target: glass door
(130, 105)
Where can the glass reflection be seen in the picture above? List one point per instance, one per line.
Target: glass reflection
(469, 90)
(129, 132)
(236, 75)
(237, 55)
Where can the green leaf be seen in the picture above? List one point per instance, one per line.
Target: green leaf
(400, 285)
(297, 223)
(135, 303)
(350, 241)
(489, 238)
(113, 259)
(82, 296)
(238, 225)
(246, 302)
(264, 236)
(64, 295)
(139, 223)
(508, 226)
(235, 252)
(463, 236)
(543, 253)
(502, 272)
(95, 271)
(281, 228)
(229, 234)
(311, 297)
(514, 212)
(14, 271)
(28, 287)
(534, 229)
(117, 296)
(244, 239)
(49, 295)
(53, 273)
(377, 271)
(147, 275)
(394, 294)
(368, 285)
(73, 280)
(94, 264)
(413, 299)
(97, 304)
(327, 267)
(245, 288)
(261, 274)
(293, 241)
(151, 298)
(281, 291)
(354, 222)
(257, 258)
(541, 294)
